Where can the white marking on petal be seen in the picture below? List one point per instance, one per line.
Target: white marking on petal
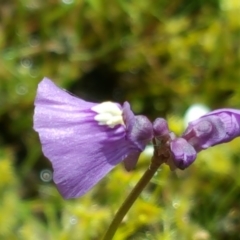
(109, 114)
(109, 107)
(103, 117)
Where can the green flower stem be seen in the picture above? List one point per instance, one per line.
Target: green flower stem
(155, 164)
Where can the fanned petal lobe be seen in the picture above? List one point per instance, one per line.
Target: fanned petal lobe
(84, 140)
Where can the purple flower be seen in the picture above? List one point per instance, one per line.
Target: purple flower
(85, 140)
(181, 153)
(214, 128)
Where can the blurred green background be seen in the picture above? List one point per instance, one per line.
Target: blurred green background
(161, 56)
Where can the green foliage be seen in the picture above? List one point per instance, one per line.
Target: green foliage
(162, 56)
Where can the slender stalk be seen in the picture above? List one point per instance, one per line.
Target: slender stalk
(132, 197)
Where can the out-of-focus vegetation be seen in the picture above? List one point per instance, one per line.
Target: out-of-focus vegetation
(161, 56)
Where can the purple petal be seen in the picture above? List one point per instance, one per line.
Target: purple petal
(213, 128)
(231, 120)
(131, 160)
(183, 153)
(139, 132)
(160, 127)
(82, 151)
(139, 128)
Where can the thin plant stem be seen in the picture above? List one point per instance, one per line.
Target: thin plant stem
(122, 211)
